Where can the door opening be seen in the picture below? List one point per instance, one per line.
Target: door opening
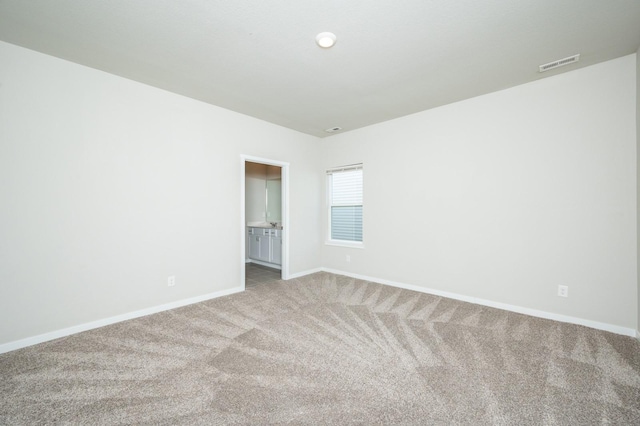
(264, 220)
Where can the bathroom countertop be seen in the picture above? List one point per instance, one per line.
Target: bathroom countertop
(263, 225)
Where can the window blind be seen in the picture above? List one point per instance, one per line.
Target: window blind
(346, 190)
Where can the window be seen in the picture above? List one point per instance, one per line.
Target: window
(345, 204)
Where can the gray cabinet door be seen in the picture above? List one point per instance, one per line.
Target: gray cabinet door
(254, 247)
(276, 250)
(263, 242)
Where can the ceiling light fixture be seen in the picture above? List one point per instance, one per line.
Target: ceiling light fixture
(326, 40)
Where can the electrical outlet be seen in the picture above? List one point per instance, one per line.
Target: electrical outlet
(171, 281)
(563, 291)
(348, 258)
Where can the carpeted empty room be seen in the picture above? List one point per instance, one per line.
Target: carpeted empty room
(327, 349)
(219, 212)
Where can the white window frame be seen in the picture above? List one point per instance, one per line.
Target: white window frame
(329, 240)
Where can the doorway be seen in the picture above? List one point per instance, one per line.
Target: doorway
(264, 211)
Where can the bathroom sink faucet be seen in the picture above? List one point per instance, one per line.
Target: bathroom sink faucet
(274, 224)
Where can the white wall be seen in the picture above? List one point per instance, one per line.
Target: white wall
(505, 196)
(108, 186)
(255, 192)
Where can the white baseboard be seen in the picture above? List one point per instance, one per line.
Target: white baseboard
(29, 341)
(18, 344)
(303, 273)
(513, 308)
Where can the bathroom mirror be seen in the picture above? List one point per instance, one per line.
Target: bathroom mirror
(263, 193)
(274, 198)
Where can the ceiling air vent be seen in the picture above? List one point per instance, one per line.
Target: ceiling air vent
(333, 129)
(560, 63)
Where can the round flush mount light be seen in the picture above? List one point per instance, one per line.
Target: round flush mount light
(326, 40)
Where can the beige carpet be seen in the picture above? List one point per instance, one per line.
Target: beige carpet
(326, 349)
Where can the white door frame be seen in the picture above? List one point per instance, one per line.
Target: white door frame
(285, 213)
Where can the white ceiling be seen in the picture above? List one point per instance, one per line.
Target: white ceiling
(392, 58)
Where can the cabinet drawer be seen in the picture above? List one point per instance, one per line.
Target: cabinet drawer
(267, 232)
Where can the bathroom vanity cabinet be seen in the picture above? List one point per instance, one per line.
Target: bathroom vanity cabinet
(265, 246)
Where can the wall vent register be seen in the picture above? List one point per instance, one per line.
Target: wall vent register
(559, 63)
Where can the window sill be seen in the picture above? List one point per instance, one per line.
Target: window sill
(350, 244)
